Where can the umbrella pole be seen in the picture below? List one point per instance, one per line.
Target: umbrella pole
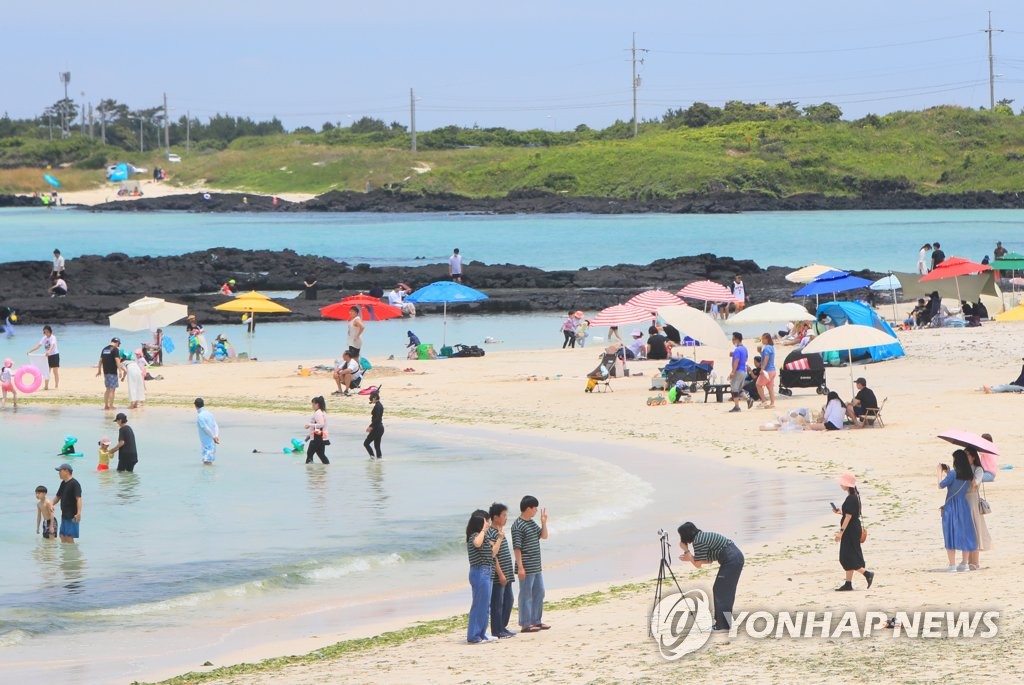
(893, 298)
(444, 333)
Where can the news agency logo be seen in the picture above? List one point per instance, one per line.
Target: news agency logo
(681, 624)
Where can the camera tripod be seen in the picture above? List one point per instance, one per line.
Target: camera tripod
(664, 573)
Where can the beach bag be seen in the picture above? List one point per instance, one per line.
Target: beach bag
(863, 535)
(446, 351)
(983, 506)
(365, 363)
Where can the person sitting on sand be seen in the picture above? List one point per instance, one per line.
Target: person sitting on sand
(636, 349)
(658, 345)
(834, 414)
(1016, 385)
(800, 335)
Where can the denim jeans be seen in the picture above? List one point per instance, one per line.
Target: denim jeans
(501, 607)
(730, 565)
(480, 582)
(531, 599)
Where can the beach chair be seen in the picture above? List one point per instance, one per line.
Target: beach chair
(873, 417)
(598, 379)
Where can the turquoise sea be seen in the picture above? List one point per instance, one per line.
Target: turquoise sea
(878, 240)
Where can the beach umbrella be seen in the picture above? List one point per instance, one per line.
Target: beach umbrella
(708, 291)
(621, 315)
(1011, 261)
(148, 314)
(832, 282)
(847, 338)
(890, 283)
(954, 267)
(987, 450)
(808, 273)
(1015, 314)
(771, 312)
(52, 180)
(652, 299)
(370, 309)
(694, 323)
(252, 303)
(445, 292)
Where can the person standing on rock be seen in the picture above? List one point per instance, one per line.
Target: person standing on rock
(455, 266)
(310, 285)
(58, 266)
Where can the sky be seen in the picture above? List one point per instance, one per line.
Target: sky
(525, 64)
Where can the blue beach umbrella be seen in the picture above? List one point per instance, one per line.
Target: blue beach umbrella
(832, 282)
(51, 180)
(443, 292)
(890, 283)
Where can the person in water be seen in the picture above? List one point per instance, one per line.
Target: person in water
(375, 431)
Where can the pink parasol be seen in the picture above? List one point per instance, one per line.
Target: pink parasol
(986, 449)
(652, 299)
(620, 315)
(709, 291)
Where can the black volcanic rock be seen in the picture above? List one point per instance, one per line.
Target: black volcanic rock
(101, 285)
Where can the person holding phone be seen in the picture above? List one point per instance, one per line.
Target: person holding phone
(481, 568)
(957, 525)
(851, 556)
(711, 547)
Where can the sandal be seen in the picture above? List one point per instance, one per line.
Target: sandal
(530, 629)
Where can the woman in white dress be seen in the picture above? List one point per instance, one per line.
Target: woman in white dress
(977, 518)
(923, 259)
(133, 369)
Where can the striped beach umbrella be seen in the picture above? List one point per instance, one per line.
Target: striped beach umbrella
(652, 299)
(708, 291)
(808, 273)
(621, 315)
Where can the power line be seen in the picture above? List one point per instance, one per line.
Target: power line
(704, 53)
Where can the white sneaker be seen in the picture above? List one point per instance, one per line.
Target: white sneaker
(489, 638)
(952, 568)
(961, 568)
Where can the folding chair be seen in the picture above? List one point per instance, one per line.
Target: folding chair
(873, 417)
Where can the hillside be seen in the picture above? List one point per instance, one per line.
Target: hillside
(940, 150)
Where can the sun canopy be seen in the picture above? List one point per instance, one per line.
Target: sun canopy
(148, 314)
(970, 287)
(845, 313)
(771, 312)
(832, 282)
(652, 299)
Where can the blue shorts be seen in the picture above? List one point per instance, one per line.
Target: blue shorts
(209, 454)
(858, 411)
(68, 528)
(110, 380)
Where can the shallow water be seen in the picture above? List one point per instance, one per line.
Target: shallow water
(885, 239)
(179, 563)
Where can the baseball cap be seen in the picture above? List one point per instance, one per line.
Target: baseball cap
(65, 467)
(121, 417)
(861, 381)
(116, 340)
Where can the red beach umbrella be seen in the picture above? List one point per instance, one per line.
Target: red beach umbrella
(370, 309)
(709, 291)
(954, 267)
(652, 299)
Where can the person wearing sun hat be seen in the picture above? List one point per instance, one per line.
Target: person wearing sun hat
(635, 348)
(104, 458)
(851, 557)
(7, 383)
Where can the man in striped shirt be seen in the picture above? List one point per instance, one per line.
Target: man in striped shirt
(711, 547)
(504, 574)
(526, 537)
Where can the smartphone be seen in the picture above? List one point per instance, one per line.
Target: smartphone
(944, 467)
(834, 507)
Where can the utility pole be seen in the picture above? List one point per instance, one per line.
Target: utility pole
(83, 114)
(188, 131)
(636, 79)
(65, 78)
(167, 129)
(991, 65)
(412, 118)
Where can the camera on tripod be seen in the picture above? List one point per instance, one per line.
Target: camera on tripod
(663, 534)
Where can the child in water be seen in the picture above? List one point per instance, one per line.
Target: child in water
(7, 383)
(44, 514)
(105, 454)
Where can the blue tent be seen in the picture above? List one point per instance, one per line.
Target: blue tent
(853, 312)
(118, 173)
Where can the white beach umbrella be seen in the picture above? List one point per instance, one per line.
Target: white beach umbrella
(771, 312)
(696, 324)
(148, 314)
(808, 273)
(848, 338)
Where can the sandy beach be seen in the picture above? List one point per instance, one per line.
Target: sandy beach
(150, 188)
(604, 639)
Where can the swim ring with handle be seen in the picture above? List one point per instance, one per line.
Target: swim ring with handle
(32, 384)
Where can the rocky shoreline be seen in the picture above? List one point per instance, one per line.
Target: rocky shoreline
(101, 285)
(880, 195)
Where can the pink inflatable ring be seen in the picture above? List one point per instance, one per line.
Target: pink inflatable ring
(30, 386)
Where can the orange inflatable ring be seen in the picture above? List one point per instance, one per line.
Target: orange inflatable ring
(32, 384)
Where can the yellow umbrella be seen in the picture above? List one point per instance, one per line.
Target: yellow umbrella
(253, 303)
(1015, 314)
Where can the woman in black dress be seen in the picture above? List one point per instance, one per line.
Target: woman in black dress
(851, 557)
(375, 431)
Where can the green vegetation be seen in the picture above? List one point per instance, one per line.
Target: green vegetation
(777, 150)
